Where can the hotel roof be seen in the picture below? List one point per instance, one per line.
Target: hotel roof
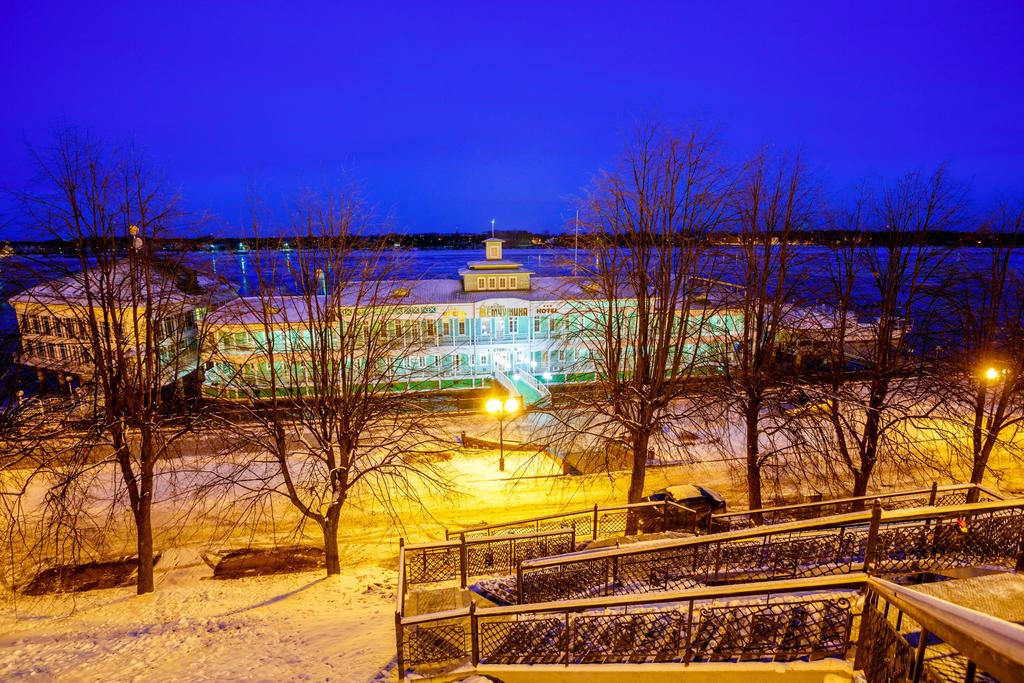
(292, 307)
(440, 292)
(170, 283)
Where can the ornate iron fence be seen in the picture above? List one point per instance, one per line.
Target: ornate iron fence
(596, 522)
(907, 541)
(936, 496)
(903, 636)
(482, 556)
(801, 620)
(771, 556)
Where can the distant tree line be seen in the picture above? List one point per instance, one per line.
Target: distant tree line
(524, 239)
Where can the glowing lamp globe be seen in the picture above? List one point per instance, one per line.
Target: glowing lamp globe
(991, 374)
(493, 405)
(511, 405)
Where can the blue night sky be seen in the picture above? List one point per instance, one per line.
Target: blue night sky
(455, 113)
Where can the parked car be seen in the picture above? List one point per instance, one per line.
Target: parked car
(703, 501)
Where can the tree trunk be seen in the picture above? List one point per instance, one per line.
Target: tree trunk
(144, 534)
(636, 479)
(860, 486)
(978, 467)
(639, 473)
(332, 559)
(753, 415)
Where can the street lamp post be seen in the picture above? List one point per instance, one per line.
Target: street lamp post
(502, 409)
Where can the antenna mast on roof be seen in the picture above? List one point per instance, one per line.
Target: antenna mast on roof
(492, 228)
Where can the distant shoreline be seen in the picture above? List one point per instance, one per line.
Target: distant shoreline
(516, 240)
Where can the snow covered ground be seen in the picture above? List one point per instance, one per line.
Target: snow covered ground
(302, 626)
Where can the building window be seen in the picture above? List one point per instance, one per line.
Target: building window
(502, 283)
(485, 326)
(536, 325)
(493, 252)
(513, 325)
(483, 358)
(481, 283)
(513, 282)
(462, 327)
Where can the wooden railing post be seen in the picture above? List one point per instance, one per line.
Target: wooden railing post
(688, 657)
(934, 495)
(595, 521)
(664, 515)
(869, 549)
(519, 583)
(568, 641)
(474, 634)
(401, 555)
(400, 647)
(463, 561)
(922, 645)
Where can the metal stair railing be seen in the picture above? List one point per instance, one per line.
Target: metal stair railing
(897, 541)
(595, 522)
(948, 494)
(906, 635)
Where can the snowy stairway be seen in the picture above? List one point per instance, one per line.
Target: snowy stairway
(500, 590)
(432, 600)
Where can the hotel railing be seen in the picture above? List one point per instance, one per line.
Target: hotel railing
(526, 375)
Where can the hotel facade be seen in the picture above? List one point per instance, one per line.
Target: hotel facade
(497, 323)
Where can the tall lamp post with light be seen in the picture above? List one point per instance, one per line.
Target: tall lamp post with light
(502, 410)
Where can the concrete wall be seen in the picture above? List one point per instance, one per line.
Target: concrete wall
(823, 671)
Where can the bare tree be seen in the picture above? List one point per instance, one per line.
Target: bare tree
(328, 356)
(871, 393)
(771, 202)
(646, 322)
(980, 374)
(126, 323)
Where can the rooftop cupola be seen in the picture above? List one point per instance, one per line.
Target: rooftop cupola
(494, 273)
(492, 248)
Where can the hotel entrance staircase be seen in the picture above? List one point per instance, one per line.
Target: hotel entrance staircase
(523, 383)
